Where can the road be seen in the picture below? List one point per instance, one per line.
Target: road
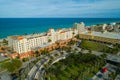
(118, 77)
(5, 76)
(38, 70)
(35, 68)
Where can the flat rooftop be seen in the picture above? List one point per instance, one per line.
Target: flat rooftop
(34, 35)
(107, 35)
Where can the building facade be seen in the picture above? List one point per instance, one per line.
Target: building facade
(80, 27)
(23, 44)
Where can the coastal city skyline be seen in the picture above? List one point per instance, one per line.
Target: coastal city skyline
(35, 54)
(60, 8)
(59, 40)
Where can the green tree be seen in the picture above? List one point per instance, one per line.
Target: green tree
(13, 66)
(77, 36)
(25, 59)
(73, 33)
(37, 53)
(49, 40)
(5, 41)
(72, 42)
(44, 52)
(74, 67)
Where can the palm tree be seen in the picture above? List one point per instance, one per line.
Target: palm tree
(77, 36)
(46, 65)
(56, 54)
(62, 52)
(49, 40)
(44, 52)
(5, 41)
(51, 57)
(37, 53)
(50, 61)
(73, 33)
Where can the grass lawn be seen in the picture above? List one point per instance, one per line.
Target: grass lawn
(11, 65)
(3, 62)
(93, 45)
(90, 45)
(6, 60)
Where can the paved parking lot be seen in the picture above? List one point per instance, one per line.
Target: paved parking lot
(5, 76)
(104, 76)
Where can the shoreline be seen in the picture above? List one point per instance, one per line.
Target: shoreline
(38, 32)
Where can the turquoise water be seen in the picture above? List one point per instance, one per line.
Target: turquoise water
(19, 26)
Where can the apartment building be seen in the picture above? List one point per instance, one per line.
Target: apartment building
(80, 27)
(24, 45)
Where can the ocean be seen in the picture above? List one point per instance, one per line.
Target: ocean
(20, 26)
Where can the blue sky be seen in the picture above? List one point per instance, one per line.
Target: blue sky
(60, 8)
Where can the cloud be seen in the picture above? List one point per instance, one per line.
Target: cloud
(59, 8)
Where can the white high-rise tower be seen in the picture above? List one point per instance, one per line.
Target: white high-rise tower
(80, 27)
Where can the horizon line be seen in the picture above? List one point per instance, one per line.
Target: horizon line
(61, 17)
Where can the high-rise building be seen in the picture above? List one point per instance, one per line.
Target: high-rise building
(80, 27)
(22, 44)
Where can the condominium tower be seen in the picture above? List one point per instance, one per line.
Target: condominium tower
(26, 43)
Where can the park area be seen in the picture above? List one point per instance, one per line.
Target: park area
(75, 67)
(101, 47)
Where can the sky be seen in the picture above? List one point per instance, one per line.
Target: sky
(60, 8)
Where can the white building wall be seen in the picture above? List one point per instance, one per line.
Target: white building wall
(80, 27)
(27, 44)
